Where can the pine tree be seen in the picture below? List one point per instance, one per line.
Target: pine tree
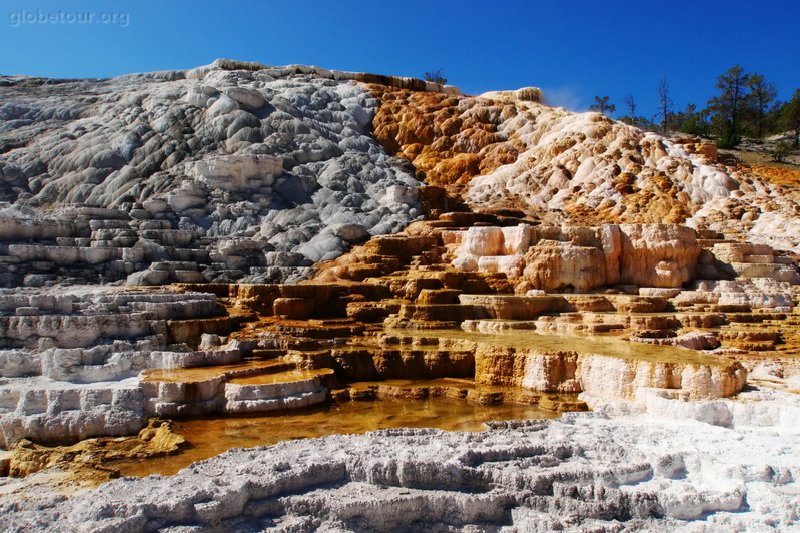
(664, 104)
(436, 76)
(762, 95)
(727, 106)
(602, 105)
(790, 113)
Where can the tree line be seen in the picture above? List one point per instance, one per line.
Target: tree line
(745, 105)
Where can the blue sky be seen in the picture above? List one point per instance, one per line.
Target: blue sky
(573, 49)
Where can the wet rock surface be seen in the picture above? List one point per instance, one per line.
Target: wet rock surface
(70, 369)
(583, 471)
(279, 347)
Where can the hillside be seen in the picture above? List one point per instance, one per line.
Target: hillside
(543, 320)
(237, 172)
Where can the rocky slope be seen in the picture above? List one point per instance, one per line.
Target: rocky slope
(223, 172)
(238, 171)
(507, 150)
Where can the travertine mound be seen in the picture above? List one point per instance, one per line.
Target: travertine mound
(242, 171)
(239, 171)
(584, 259)
(222, 172)
(507, 150)
(583, 472)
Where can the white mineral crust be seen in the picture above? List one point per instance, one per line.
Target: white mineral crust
(612, 470)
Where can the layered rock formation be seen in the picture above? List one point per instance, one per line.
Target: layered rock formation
(508, 151)
(70, 360)
(581, 472)
(559, 260)
(91, 362)
(579, 258)
(243, 171)
(224, 172)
